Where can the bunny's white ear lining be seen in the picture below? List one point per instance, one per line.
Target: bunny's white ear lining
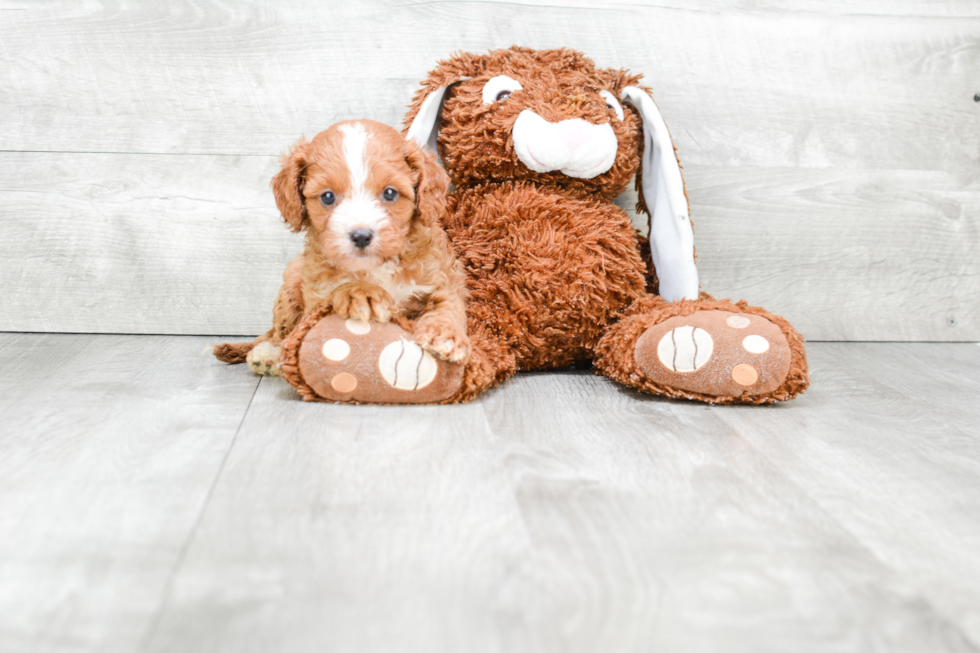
(671, 235)
(423, 128)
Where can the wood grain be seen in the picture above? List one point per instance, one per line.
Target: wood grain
(194, 244)
(844, 254)
(560, 512)
(349, 528)
(110, 446)
(776, 86)
(563, 513)
(895, 459)
(641, 507)
(831, 149)
(141, 243)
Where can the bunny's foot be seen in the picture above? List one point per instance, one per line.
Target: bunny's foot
(329, 358)
(708, 350)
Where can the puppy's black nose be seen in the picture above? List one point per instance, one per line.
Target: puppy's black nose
(361, 237)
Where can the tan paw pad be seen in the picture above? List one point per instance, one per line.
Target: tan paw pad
(371, 362)
(737, 321)
(344, 383)
(744, 374)
(715, 353)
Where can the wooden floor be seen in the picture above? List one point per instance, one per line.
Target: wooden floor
(152, 499)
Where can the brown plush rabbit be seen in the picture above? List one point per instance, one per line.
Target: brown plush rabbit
(538, 144)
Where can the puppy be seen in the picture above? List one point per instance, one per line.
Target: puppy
(370, 202)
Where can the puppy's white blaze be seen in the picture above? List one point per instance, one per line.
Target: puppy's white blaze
(355, 146)
(358, 212)
(357, 209)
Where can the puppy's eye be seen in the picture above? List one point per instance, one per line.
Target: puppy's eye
(499, 88)
(390, 194)
(328, 198)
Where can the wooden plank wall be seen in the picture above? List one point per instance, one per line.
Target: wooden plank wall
(831, 149)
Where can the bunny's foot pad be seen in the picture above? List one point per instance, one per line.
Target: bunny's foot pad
(349, 361)
(715, 353)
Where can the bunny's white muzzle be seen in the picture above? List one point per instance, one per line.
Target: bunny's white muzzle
(574, 147)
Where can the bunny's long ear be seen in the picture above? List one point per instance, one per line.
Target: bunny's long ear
(424, 128)
(421, 123)
(671, 235)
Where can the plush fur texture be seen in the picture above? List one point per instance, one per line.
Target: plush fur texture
(556, 273)
(326, 360)
(370, 203)
(476, 141)
(615, 359)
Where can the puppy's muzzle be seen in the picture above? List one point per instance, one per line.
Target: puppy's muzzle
(361, 237)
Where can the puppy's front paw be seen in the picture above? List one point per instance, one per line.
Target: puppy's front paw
(363, 302)
(443, 339)
(264, 359)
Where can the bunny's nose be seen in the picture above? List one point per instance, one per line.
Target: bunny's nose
(361, 237)
(576, 147)
(573, 132)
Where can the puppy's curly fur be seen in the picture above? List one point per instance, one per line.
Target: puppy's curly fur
(370, 202)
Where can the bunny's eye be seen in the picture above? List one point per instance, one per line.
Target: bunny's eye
(499, 88)
(612, 103)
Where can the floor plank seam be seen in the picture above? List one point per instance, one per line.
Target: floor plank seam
(189, 541)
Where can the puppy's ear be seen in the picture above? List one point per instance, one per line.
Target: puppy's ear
(431, 186)
(287, 186)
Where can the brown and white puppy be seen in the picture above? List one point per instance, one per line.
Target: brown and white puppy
(370, 202)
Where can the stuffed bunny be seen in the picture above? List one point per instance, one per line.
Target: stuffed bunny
(538, 145)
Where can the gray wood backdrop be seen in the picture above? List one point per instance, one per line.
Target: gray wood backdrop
(831, 149)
